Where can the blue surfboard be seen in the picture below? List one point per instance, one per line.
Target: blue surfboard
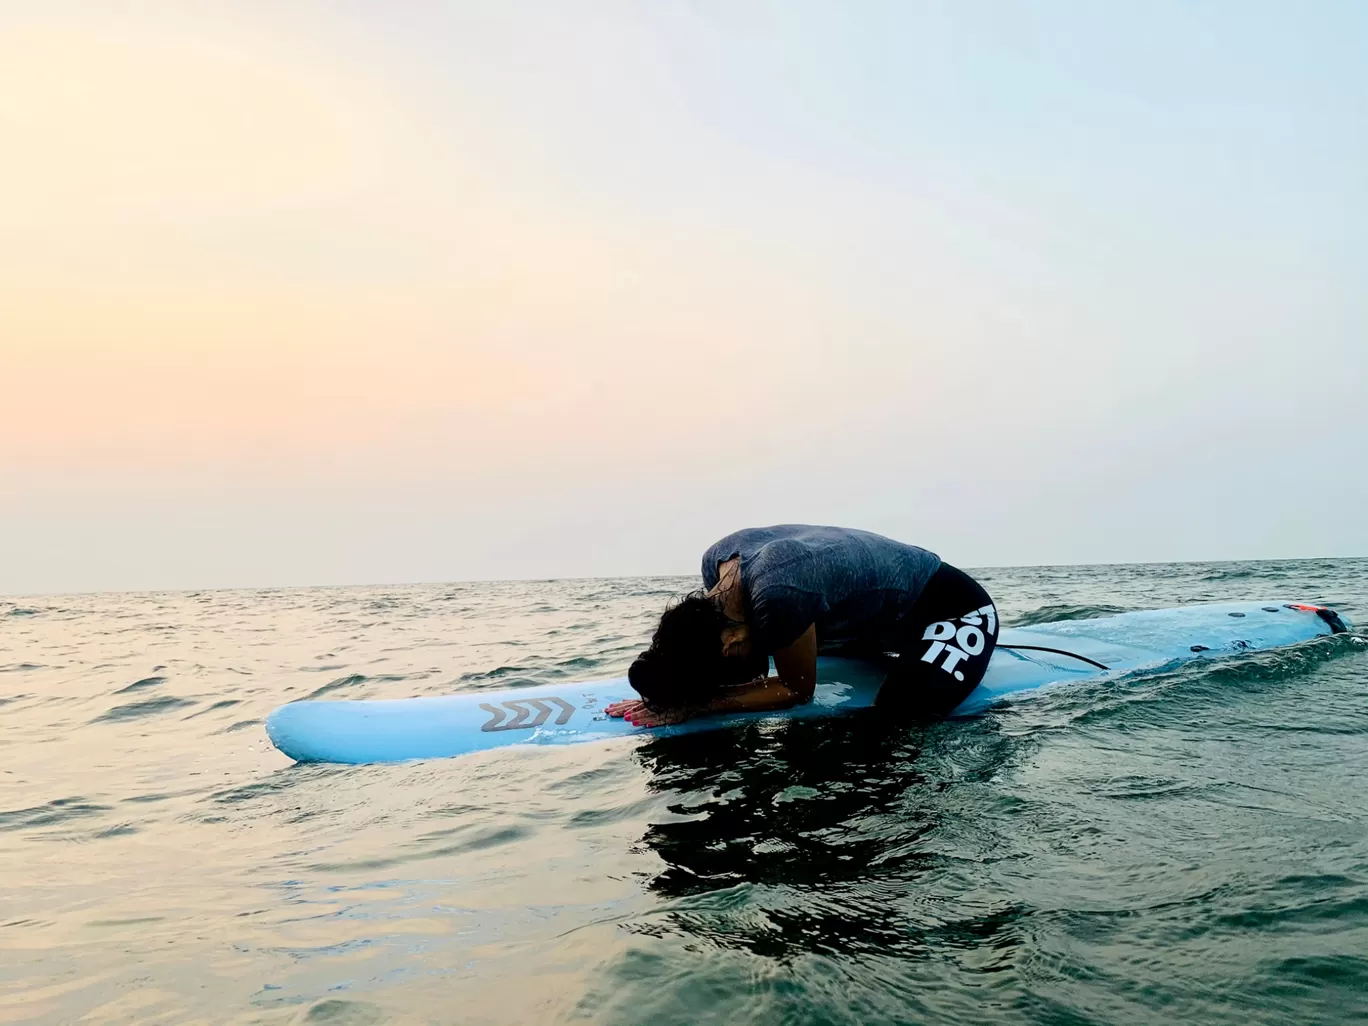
(1027, 658)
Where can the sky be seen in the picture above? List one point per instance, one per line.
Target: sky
(300, 293)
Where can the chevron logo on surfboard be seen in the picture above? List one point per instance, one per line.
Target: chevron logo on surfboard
(514, 714)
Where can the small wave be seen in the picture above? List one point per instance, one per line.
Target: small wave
(336, 684)
(1237, 574)
(239, 725)
(1277, 664)
(1141, 786)
(259, 789)
(1060, 611)
(22, 611)
(59, 810)
(225, 703)
(483, 837)
(142, 685)
(21, 667)
(351, 680)
(341, 1012)
(1196, 680)
(575, 666)
(136, 710)
(1345, 973)
(498, 675)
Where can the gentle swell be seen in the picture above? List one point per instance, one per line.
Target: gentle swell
(1055, 613)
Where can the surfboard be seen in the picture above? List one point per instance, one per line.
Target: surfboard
(1026, 659)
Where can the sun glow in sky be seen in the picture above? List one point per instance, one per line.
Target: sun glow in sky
(328, 293)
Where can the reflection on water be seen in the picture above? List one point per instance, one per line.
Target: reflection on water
(830, 829)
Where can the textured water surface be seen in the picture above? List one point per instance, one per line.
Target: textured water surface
(1190, 846)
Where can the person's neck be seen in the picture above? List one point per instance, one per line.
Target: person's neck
(728, 591)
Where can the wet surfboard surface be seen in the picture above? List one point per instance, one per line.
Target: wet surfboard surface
(1026, 659)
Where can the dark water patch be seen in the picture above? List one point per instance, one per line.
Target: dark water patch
(867, 799)
(224, 703)
(239, 725)
(119, 830)
(1057, 612)
(138, 710)
(59, 810)
(7, 699)
(142, 685)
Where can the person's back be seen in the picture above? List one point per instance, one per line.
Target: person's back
(782, 594)
(854, 585)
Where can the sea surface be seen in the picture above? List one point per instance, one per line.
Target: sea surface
(1187, 847)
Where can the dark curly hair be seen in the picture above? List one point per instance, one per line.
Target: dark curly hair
(685, 665)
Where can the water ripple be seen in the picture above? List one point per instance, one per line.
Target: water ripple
(1186, 844)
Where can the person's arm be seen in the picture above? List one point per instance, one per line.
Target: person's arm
(796, 666)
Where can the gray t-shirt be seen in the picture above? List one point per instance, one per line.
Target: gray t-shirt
(852, 584)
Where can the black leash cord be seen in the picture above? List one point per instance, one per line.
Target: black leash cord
(1058, 651)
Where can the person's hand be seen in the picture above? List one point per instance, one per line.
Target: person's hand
(634, 711)
(621, 709)
(645, 717)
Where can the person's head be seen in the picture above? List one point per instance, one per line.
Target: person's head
(686, 663)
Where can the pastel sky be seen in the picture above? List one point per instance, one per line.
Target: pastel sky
(348, 292)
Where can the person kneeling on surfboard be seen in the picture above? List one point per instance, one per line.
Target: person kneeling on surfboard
(792, 591)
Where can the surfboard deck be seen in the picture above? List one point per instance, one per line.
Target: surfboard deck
(1026, 659)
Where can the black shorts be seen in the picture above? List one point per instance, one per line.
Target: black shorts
(943, 647)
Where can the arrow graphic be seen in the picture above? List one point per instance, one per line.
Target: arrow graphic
(516, 712)
(567, 710)
(496, 713)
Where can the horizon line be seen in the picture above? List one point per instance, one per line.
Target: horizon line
(11, 598)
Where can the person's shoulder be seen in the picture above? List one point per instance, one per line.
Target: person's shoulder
(778, 552)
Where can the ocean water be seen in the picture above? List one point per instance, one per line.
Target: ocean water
(1191, 846)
